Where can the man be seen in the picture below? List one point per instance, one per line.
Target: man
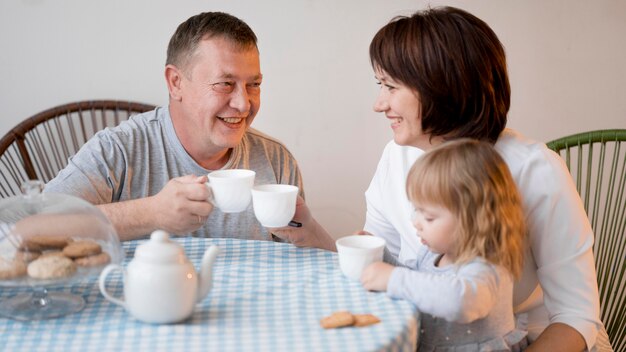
(141, 174)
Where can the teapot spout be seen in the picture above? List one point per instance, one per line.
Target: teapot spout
(206, 271)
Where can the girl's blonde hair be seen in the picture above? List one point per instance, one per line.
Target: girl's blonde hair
(471, 180)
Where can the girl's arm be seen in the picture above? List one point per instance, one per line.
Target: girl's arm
(464, 296)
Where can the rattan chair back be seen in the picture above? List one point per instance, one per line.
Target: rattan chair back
(39, 147)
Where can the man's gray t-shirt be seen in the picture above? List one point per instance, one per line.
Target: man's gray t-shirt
(137, 158)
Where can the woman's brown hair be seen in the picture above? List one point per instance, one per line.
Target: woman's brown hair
(456, 65)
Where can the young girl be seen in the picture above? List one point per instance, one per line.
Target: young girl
(468, 215)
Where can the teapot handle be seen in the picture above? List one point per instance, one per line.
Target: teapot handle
(102, 281)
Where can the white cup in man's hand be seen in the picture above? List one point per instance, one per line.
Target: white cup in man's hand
(231, 189)
(274, 205)
(356, 252)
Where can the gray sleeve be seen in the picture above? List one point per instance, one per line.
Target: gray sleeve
(94, 173)
(465, 296)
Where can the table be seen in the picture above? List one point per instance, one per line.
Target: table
(266, 296)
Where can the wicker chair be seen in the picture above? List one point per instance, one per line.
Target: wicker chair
(39, 147)
(597, 162)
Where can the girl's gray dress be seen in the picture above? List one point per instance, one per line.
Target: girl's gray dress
(463, 308)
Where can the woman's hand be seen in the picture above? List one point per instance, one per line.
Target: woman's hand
(375, 276)
(310, 234)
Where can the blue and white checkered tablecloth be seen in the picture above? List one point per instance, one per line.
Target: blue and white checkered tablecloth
(266, 296)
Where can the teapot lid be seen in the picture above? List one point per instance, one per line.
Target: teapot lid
(161, 249)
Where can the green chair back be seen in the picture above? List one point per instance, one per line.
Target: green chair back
(597, 162)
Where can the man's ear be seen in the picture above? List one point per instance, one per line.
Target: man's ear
(173, 77)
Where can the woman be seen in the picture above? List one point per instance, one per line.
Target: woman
(443, 76)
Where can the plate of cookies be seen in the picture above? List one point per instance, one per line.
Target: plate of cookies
(51, 239)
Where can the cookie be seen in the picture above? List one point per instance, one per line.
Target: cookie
(26, 256)
(365, 319)
(80, 249)
(51, 267)
(11, 269)
(337, 320)
(93, 260)
(42, 242)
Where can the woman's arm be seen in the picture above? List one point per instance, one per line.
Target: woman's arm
(558, 337)
(561, 243)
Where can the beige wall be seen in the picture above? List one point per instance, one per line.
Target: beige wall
(567, 61)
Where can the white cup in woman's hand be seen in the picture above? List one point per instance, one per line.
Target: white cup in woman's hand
(274, 205)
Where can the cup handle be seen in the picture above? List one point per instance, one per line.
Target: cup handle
(211, 198)
(103, 275)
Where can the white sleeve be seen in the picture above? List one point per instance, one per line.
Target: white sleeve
(468, 295)
(376, 222)
(561, 242)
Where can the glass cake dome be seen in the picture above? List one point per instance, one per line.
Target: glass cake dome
(48, 240)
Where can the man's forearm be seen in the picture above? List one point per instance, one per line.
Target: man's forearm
(132, 219)
(558, 337)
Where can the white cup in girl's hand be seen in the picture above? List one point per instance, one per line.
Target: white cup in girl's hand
(356, 252)
(274, 205)
(231, 189)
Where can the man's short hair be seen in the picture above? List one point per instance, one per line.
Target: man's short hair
(207, 25)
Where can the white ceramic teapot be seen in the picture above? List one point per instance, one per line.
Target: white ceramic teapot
(160, 284)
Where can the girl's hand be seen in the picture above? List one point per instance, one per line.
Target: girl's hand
(376, 276)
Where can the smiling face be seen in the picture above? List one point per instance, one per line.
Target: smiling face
(215, 98)
(402, 107)
(437, 228)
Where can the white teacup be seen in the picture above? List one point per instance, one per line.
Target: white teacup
(274, 205)
(357, 252)
(231, 189)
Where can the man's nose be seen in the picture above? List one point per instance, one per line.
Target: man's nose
(240, 99)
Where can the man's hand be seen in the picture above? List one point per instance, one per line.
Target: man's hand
(182, 206)
(375, 276)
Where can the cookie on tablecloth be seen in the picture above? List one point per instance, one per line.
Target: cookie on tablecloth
(337, 320)
(361, 320)
(11, 269)
(345, 318)
(79, 249)
(51, 267)
(93, 260)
